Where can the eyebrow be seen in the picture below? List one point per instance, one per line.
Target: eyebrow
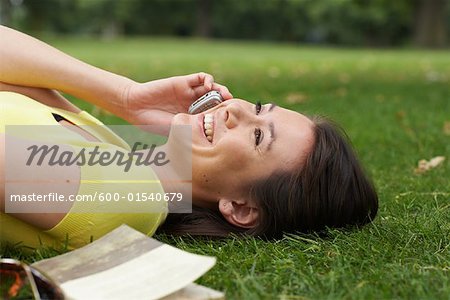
(272, 135)
(272, 106)
(271, 128)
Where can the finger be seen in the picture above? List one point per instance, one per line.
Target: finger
(200, 90)
(201, 78)
(208, 81)
(223, 90)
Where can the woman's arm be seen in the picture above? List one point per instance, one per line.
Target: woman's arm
(27, 61)
(48, 97)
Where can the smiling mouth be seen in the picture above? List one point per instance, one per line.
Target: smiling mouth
(208, 128)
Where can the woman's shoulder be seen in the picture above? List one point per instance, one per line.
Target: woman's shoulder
(19, 109)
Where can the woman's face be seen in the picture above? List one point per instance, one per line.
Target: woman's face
(237, 143)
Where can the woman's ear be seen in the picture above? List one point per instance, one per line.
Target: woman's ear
(240, 213)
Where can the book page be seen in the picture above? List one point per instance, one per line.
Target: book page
(125, 264)
(153, 275)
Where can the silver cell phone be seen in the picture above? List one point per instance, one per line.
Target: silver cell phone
(205, 102)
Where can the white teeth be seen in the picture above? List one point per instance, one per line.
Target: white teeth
(208, 126)
(208, 118)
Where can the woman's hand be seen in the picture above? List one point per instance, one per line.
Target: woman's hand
(156, 102)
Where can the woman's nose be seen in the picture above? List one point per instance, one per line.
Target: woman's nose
(233, 115)
(237, 115)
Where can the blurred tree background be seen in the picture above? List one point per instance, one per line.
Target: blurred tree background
(379, 23)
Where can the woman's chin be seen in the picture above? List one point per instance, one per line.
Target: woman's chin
(181, 119)
(181, 129)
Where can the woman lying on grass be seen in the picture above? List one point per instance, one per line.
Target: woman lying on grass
(256, 169)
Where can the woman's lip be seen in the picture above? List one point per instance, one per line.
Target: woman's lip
(214, 124)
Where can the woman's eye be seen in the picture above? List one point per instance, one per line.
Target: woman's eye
(258, 132)
(258, 135)
(258, 107)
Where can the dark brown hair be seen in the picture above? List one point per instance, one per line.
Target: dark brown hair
(330, 190)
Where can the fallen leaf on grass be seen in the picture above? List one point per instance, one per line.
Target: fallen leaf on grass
(401, 114)
(446, 128)
(361, 284)
(296, 98)
(425, 165)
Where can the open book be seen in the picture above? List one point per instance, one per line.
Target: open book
(126, 264)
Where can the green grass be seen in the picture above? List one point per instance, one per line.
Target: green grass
(392, 103)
